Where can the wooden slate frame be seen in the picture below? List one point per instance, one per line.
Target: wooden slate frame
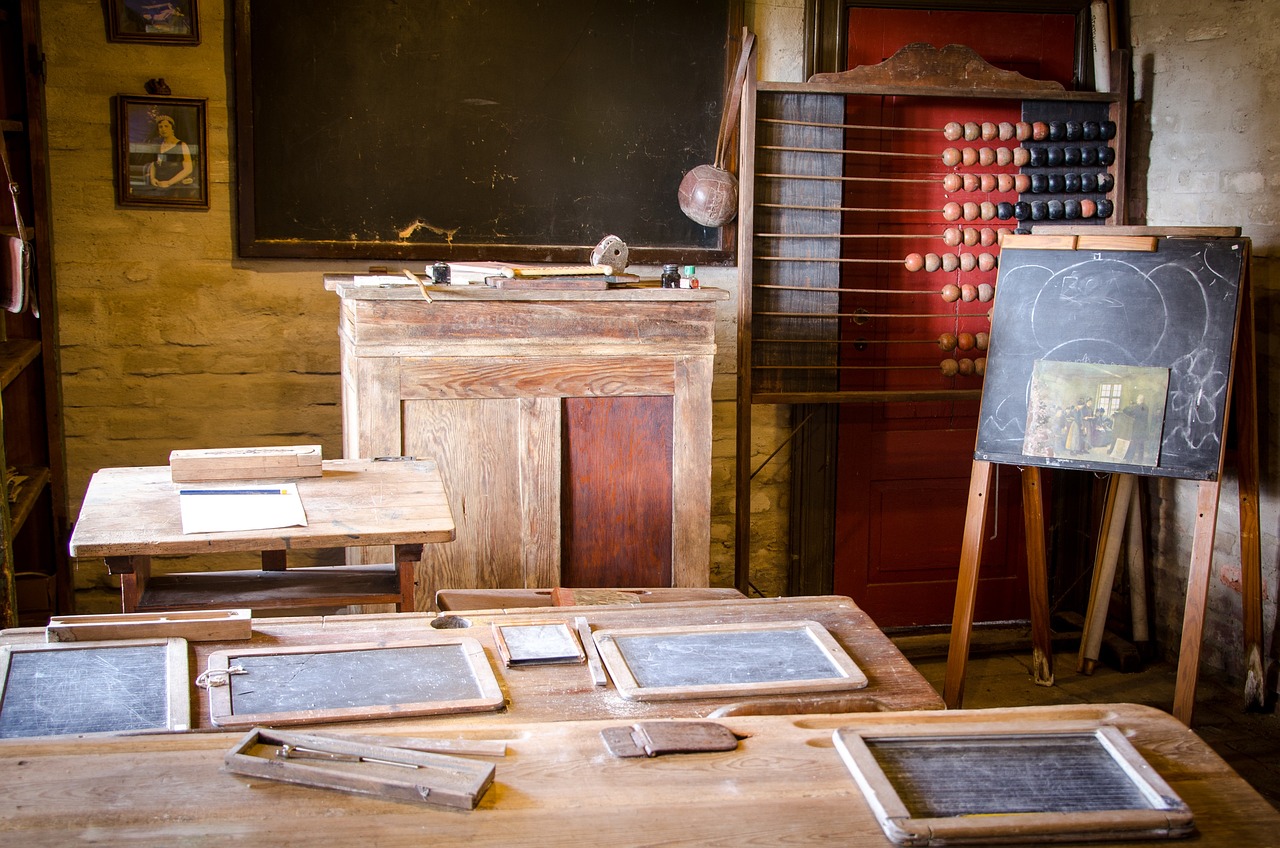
(382, 770)
(192, 625)
(514, 653)
(629, 672)
(176, 689)
(222, 676)
(1159, 814)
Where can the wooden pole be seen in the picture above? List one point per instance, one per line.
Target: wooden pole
(967, 584)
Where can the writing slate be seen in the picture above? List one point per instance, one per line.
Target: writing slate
(664, 663)
(497, 130)
(303, 684)
(94, 687)
(1174, 309)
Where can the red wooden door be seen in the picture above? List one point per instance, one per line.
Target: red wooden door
(904, 468)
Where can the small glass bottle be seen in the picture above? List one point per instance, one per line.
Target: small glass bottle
(671, 276)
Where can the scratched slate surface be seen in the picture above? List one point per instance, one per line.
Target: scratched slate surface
(437, 126)
(1175, 308)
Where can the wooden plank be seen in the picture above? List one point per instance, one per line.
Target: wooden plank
(200, 626)
(263, 463)
(1115, 515)
(295, 685)
(791, 657)
(691, 450)
(784, 781)
(430, 378)
(1136, 244)
(1040, 242)
(1037, 577)
(1193, 614)
(326, 586)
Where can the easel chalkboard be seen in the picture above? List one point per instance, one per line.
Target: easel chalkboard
(94, 687)
(1119, 321)
(499, 130)
(347, 682)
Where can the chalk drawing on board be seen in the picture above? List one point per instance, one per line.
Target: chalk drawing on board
(1174, 308)
(1082, 410)
(94, 687)
(345, 682)
(717, 660)
(932, 785)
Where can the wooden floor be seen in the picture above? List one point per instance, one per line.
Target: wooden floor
(1000, 675)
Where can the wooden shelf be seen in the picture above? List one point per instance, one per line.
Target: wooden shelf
(10, 126)
(15, 355)
(28, 493)
(330, 586)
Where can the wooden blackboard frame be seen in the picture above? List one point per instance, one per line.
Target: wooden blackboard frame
(623, 47)
(1164, 815)
(104, 692)
(628, 671)
(222, 674)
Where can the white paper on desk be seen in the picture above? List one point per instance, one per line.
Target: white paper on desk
(222, 510)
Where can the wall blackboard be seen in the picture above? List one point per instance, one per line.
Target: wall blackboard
(477, 130)
(94, 687)
(1174, 309)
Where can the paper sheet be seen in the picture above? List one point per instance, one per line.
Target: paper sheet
(213, 509)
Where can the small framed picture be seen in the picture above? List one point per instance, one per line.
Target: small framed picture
(153, 21)
(161, 152)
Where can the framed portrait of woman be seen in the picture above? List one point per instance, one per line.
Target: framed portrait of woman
(153, 21)
(161, 157)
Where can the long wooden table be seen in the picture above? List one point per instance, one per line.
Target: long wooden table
(558, 692)
(130, 515)
(557, 784)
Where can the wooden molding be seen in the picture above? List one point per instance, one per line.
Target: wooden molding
(954, 66)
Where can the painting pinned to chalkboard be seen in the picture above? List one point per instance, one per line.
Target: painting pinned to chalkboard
(1170, 310)
(1111, 413)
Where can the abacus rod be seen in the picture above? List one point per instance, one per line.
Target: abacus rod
(852, 235)
(828, 259)
(846, 151)
(845, 367)
(852, 179)
(846, 126)
(933, 342)
(861, 315)
(839, 208)
(775, 287)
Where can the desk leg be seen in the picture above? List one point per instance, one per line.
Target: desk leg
(1037, 577)
(275, 560)
(1184, 692)
(134, 572)
(967, 586)
(407, 556)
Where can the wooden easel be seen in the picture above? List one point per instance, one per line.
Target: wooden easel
(1242, 388)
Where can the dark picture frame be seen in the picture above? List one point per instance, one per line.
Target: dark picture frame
(161, 152)
(153, 21)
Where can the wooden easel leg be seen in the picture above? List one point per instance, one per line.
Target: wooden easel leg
(1244, 393)
(1184, 693)
(1119, 494)
(967, 585)
(1137, 562)
(1037, 577)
